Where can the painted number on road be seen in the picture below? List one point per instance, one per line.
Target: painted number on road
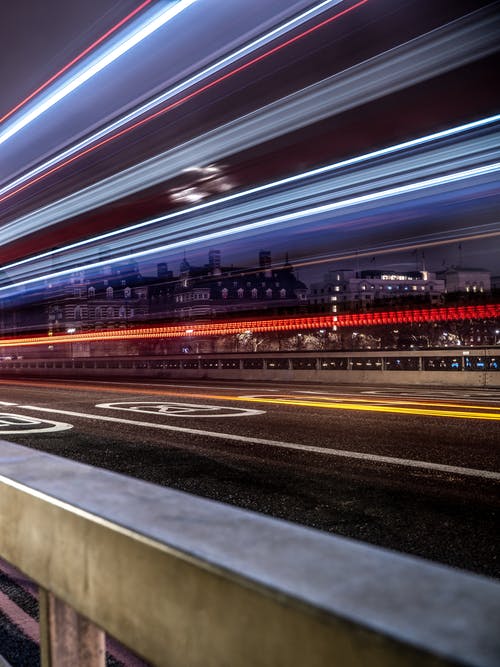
(17, 424)
(171, 409)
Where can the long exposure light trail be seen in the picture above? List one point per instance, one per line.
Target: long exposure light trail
(94, 67)
(404, 407)
(108, 134)
(273, 221)
(326, 401)
(443, 49)
(341, 402)
(486, 232)
(76, 59)
(481, 413)
(228, 328)
(259, 190)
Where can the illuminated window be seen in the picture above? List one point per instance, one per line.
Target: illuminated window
(254, 293)
(91, 292)
(109, 292)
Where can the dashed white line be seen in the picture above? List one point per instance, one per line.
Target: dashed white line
(363, 456)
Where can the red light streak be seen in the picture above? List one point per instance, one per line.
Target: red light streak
(76, 59)
(446, 314)
(182, 100)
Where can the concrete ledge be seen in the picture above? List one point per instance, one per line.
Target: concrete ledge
(186, 581)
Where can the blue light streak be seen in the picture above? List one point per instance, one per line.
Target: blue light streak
(94, 66)
(279, 31)
(359, 159)
(250, 227)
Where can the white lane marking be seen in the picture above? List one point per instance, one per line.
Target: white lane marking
(11, 424)
(172, 409)
(7, 403)
(27, 624)
(409, 463)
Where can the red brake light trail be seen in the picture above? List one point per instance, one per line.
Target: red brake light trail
(76, 59)
(224, 328)
(184, 99)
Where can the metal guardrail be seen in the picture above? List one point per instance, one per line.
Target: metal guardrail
(185, 581)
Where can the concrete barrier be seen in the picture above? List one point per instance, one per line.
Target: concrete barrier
(470, 368)
(184, 581)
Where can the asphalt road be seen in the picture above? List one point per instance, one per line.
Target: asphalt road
(408, 469)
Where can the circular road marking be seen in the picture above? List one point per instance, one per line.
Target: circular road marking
(11, 424)
(172, 409)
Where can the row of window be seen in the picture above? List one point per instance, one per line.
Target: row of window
(101, 312)
(364, 288)
(437, 363)
(80, 292)
(190, 296)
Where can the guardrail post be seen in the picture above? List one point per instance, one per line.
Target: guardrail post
(66, 638)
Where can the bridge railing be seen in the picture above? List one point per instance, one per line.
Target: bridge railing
(184, 581)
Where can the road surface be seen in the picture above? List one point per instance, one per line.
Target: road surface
(416, 470)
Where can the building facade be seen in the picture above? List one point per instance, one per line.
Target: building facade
(113, 301)
(468, 281)
(213, 289)
(344, 289)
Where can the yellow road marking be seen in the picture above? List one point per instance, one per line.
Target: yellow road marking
(292, 401)
(490, 416)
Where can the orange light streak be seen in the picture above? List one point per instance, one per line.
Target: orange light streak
(457, 411)
(445, 314)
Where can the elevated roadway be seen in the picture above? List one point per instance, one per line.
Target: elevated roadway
(416, 470)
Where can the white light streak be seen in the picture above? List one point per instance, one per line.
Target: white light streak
(250, 227)
(290, 180)
(95, 66)
(424, 57)
(172, 92)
